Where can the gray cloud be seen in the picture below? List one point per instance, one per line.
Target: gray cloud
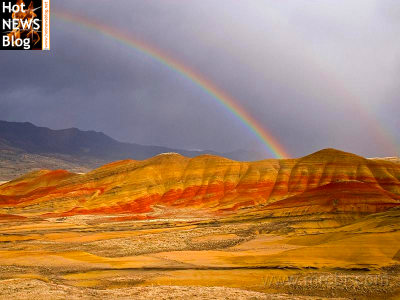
(315, 74)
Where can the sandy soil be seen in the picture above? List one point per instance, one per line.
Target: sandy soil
(19, 289)
(276, 258)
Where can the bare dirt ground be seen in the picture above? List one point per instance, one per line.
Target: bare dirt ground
(248, 257)
(18, 289)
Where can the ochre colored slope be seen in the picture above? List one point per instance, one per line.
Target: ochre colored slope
(35, 180)
(326, 181)
(31, 186)
(337, 197)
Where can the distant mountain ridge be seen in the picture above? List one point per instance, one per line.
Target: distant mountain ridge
(76, 150)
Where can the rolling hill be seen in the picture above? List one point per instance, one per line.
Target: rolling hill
(327, 181)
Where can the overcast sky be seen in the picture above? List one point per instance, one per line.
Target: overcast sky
(315, 74)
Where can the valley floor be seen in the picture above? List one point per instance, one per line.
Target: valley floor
(246, 257)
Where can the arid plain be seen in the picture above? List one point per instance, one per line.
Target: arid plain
(322, 226)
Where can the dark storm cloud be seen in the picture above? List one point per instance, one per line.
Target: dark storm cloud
(315, 74)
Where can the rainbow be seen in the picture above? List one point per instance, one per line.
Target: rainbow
(267, 139)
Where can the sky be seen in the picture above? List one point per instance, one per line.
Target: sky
(315, 74)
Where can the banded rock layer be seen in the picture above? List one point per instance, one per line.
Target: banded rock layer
(326, 181)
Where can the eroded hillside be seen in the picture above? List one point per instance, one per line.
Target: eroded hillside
(326, 181)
